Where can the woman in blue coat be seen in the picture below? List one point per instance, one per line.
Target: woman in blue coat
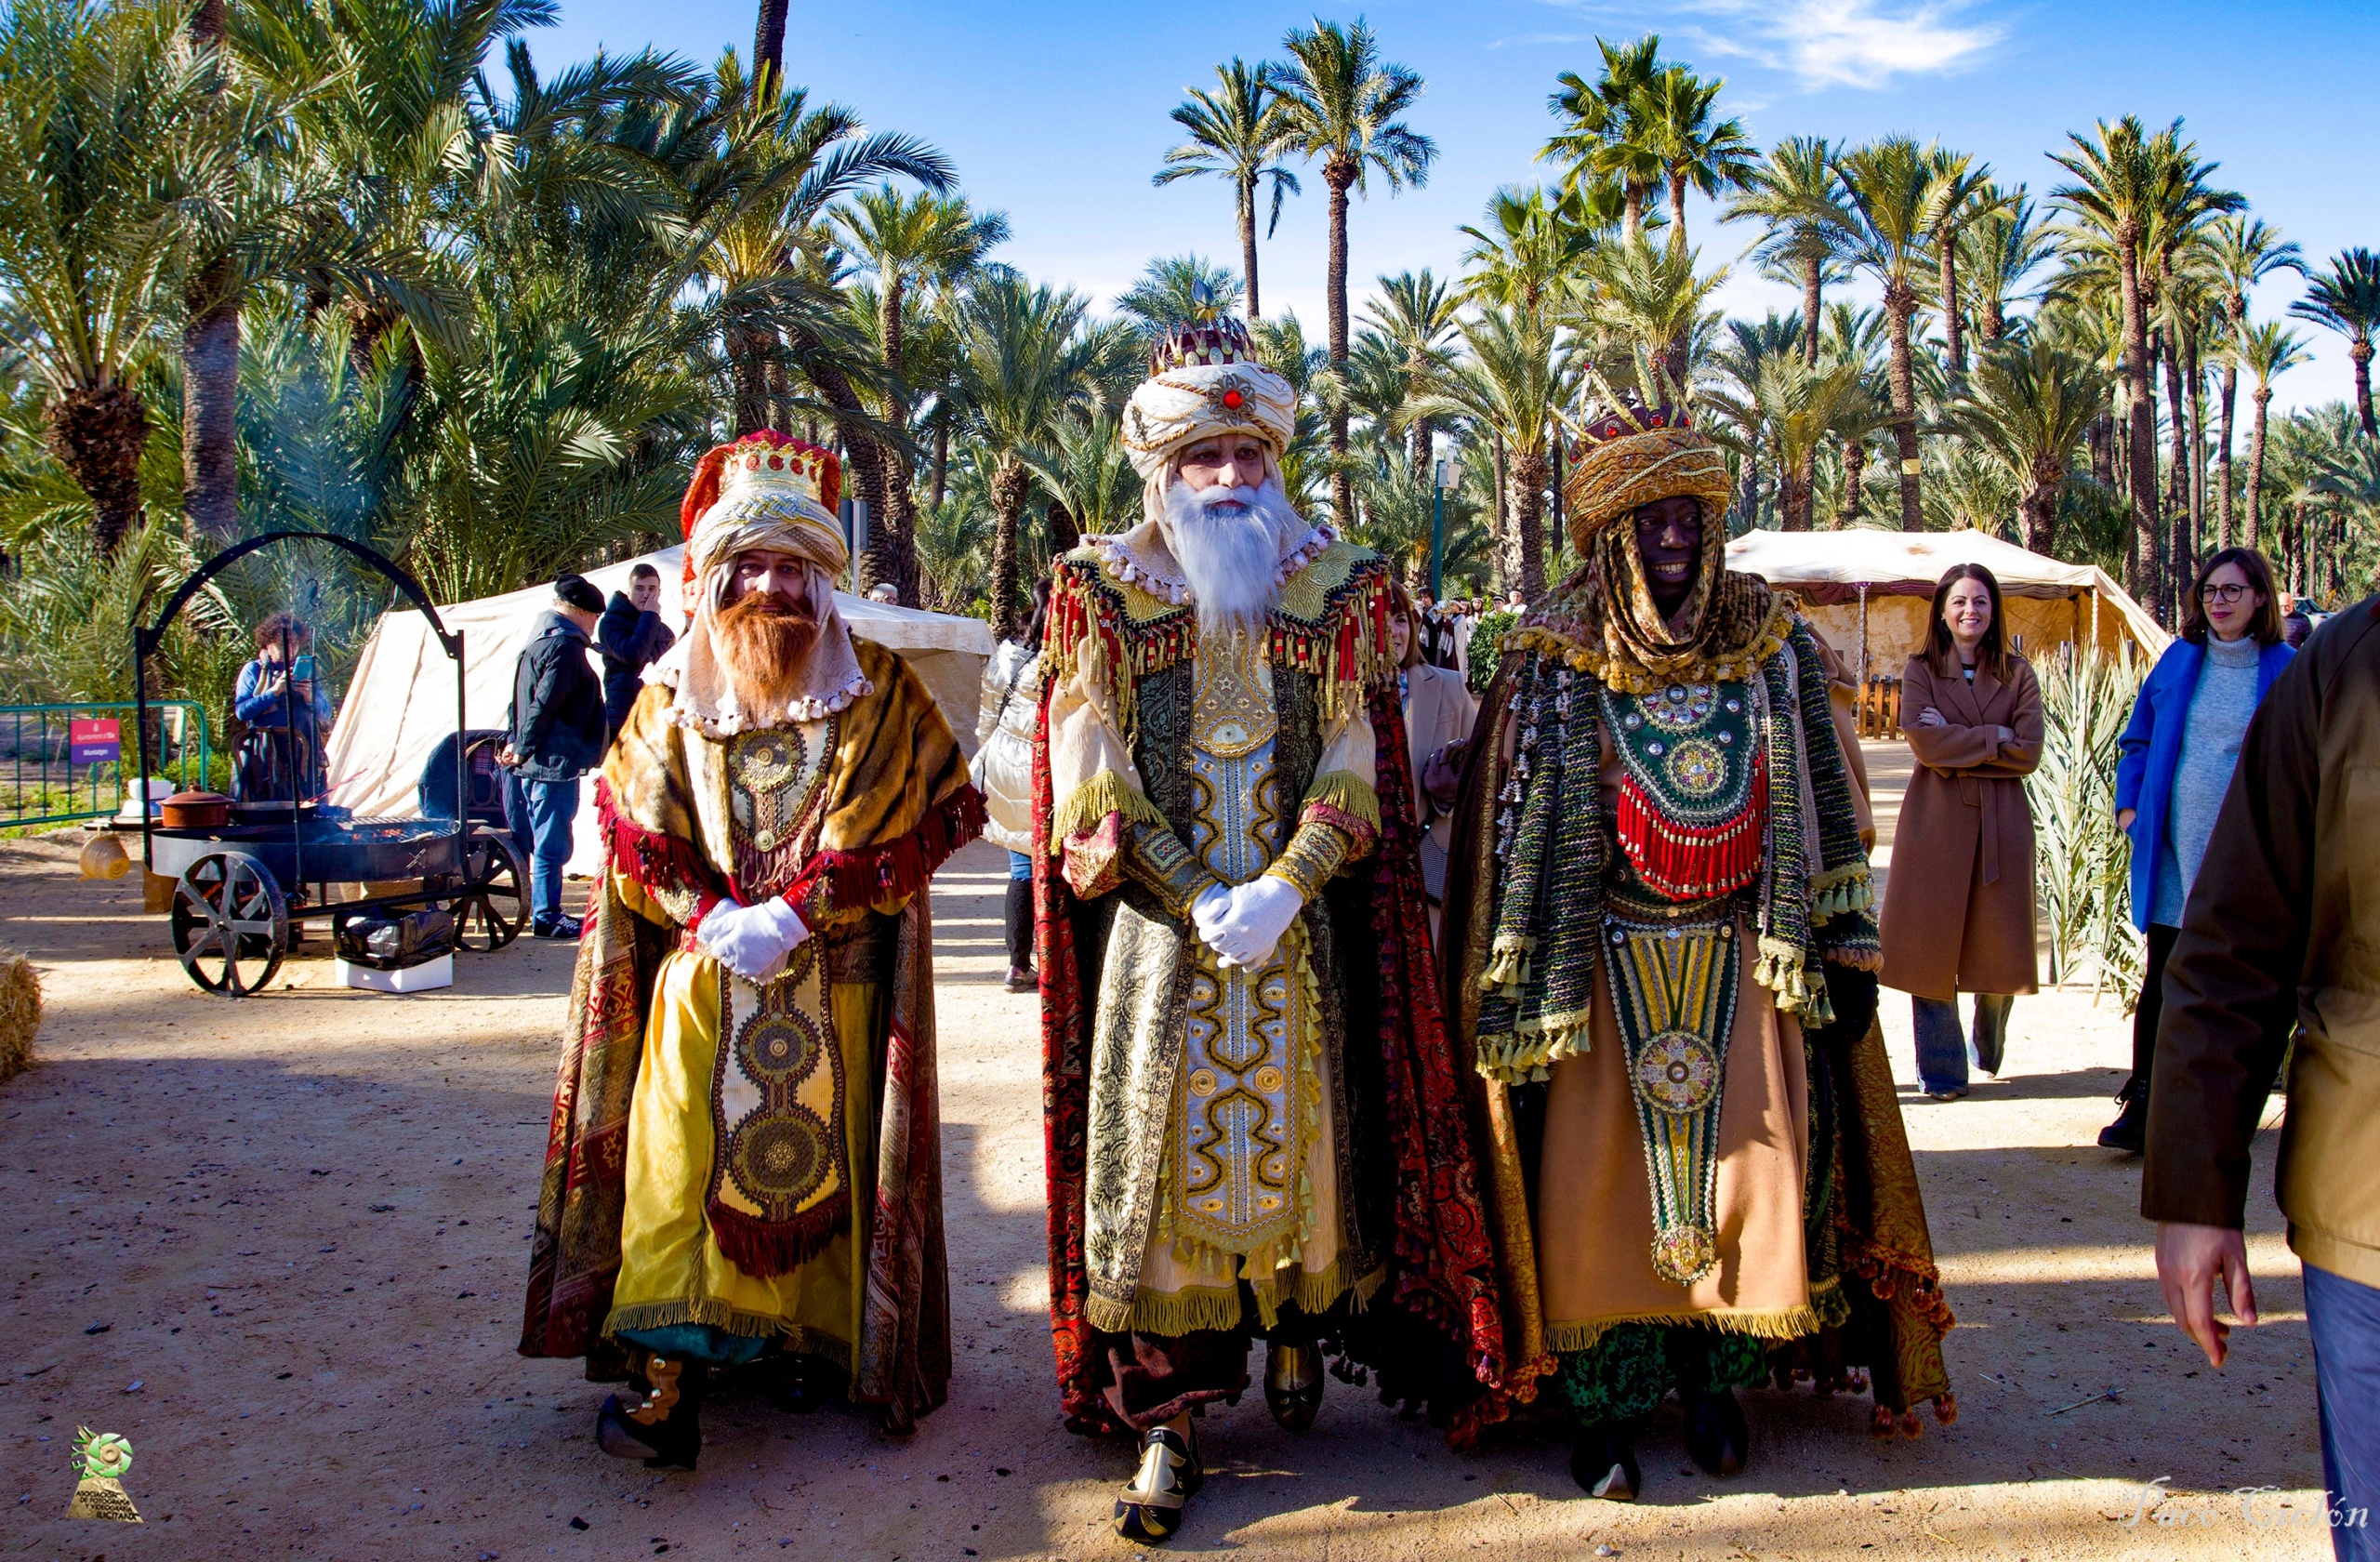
(2178, 753)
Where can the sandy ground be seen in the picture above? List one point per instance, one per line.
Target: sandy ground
(279, 1244)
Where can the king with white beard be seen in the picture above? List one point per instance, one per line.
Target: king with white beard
(1253, 1121)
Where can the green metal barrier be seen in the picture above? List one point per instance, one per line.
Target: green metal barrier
(60, 764)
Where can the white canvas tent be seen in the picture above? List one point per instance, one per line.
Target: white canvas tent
(1869, 591)
(401, 702)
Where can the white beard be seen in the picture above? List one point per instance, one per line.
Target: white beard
(1230, 559)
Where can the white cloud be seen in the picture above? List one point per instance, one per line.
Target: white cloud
(1840, 43)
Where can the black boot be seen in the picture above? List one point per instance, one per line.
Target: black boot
(662, 1426)
(2129, 1132)
(802, 1383)
(1715, 1435)
(1150, 1509)
(1604, 1464)
(1293, 1384)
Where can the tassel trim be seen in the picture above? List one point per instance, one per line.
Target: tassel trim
(1175, 1313)
(652, 859)
(1519, 1059)
(642, 1316)
(1693, 862)
(1770, 1323)
(1840, 892)
(1346, 794)
(869, 876)
(765, 1248)
(1508, 965)
(1106, 792)
(1784, 970)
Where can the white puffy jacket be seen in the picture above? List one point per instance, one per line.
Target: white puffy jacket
(1003, 768)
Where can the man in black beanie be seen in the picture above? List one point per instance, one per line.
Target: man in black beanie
(554, 734)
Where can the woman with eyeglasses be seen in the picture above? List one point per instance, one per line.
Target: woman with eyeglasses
(2178, 753)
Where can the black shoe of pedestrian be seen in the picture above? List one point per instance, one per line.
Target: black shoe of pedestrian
(1150, 1509)
(1716, 1436)
(1604, 1464)
(662, 1426)
(2129, 1132)
(560, 927)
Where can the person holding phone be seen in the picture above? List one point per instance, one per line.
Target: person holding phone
(285, 712)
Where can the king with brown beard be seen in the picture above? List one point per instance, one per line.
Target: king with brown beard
(744, 1166)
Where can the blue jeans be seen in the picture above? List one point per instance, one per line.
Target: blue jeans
(1943, 1053)
(552, 806)
(2343, 1315)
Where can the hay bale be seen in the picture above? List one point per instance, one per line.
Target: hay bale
(20, 1011)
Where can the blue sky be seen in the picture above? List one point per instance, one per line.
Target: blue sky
(1056, 113)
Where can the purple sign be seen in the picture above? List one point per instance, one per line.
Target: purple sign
(93, 740)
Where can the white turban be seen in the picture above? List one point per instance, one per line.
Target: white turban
(1181, 406)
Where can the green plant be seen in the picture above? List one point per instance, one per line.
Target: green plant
(2083, 860)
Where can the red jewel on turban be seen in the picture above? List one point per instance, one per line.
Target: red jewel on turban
(1232, 399)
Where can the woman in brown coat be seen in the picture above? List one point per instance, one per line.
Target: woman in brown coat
(1959, 901)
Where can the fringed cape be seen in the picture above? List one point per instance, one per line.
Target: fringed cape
(898, 803)
(1442, 1280)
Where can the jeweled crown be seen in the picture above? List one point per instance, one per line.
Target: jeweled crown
(1187, 342)
(1626, 421)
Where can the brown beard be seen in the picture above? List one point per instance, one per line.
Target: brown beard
(762, 641)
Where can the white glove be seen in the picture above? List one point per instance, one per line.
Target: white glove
(1207, 911)
(752, 941)
(1250, 927)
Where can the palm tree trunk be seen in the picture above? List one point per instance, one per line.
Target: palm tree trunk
(1899, 304)
(1529, 475)
(2177, 477)
(941, 456)
(2037, 509)
(2141, 410)
(1953, 334)
(1855, 472)
(1421, 457)
(1632, 212)
(210, 403)
(748, 353)
(211, 367)
(1991, 323)
(1343, 484)
(1813, 283)
(1009, 483)
(893, 539)
(1677, 211)
(1248, 243)
(2195, 375)
(2359, 350)
(1794, 490)
(1507, 561)
(1750, 502)
(2260, 398)
(97, 435)
(768, 44)
(2224, 407)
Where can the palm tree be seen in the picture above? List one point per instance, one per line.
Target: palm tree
(2126, 182)
(1798, 192)
(768, 46)
(1530, 249)
(2242, 251)
(2346, 299)
(1962, 188)
(907, 243)
(1745, 353)
(1605, 139)
(1648, 303)
(1084, 468)
(2002, 245)
(1415, 316)
(1890, 194)
(1693, 149)
(1176, 288)
(2266, 351)
(1511, 380)
(1017, 345)
(1854, 335)
(111, 121)
(2028, 407)
(1238, 131)
(1342, 106)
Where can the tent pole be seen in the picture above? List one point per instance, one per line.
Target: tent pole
(1863, 659)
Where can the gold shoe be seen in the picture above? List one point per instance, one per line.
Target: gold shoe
(1293, 1384)
(1150, 1509)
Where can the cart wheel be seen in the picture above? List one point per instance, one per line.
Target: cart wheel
(494, 906)
(230, 923)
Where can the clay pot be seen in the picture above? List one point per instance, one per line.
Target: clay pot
(197, 811)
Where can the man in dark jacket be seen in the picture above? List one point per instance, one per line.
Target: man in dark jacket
(2282, 934)
(631, 637)
(555, 730)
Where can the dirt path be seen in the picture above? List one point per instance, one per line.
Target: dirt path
(280, 1244)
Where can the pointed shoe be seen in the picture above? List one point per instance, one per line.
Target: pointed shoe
(1716, 1436)
(1150, 1509)
(1294, 1385)
(662, 1426)
(2129, 1132)
(1604, 1464)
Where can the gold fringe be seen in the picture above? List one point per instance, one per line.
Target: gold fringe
(1106, 792)
(1347, 792)
(1784, 970)
(1522, 1059)
(1196, 1308)
(1625, 677)
(1508, 965)
(1839, 892)
(718, 1315)
(1770, 1323)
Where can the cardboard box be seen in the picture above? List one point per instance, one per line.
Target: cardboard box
(426, 977)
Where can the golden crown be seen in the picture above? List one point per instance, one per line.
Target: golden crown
(1187, 342)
